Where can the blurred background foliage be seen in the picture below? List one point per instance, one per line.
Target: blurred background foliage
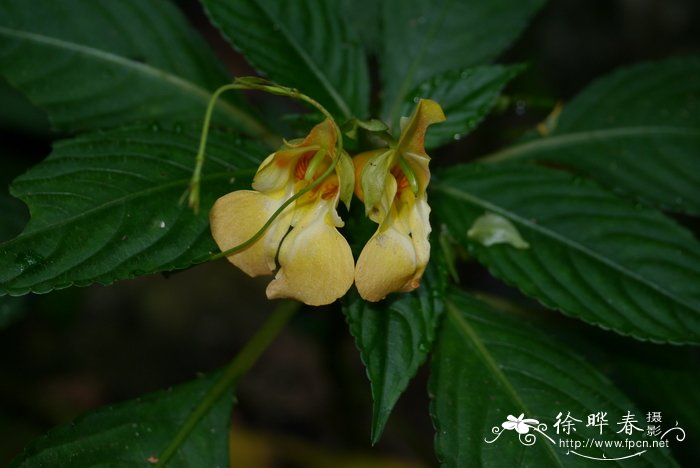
(307, 402)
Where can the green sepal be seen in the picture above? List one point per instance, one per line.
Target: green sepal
(346, 178)
(372, 125)
(351, 127)
(374, 178)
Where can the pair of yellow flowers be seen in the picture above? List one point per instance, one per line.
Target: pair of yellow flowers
(316, 265)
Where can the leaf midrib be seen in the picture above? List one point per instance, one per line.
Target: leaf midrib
(252, 126)
(117, 201)
(574, 245)
(489, 362)
(589, 136)
(315, 70)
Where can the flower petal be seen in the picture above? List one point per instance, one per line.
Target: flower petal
(316, 264)
(522, 428)
(419, 225)
(386, 263)
(237, 216)
(412, 139)
(272, 176)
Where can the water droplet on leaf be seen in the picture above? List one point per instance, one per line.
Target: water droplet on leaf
(28, 259)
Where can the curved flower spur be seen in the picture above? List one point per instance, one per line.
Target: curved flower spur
(392, 183)
(298, 187)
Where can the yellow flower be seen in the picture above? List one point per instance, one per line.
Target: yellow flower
(392, 183)
(315, 261)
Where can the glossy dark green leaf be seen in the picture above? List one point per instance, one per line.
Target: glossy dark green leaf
(592, 255)
(303, 44)
(488, 365)
(394, 337)
(98, 63)
(135, 432)
(14, 216)
(106, 206)
(636, 131)
(364, 18)
(425, 38)
(466, 96)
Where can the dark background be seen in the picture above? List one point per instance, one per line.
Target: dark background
(307, 401)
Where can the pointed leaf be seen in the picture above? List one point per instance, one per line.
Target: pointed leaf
(134, 433)
(303, 44)
(592, 255)
(636, 131)
(106, 207)
(425, 38)
(394, 337)
(99, 64)
(489, 365)
(466, 96)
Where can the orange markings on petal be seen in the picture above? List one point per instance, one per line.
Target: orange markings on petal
(302, 166)
(329, 191)
(401, 180)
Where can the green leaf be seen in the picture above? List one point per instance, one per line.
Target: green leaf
(131, 433)
(426, 38)
(105, 207)
(636, 131)
(394, 337)
(487, 365)
(466, 96)
(363, 17)
(592, 255)
(99, 64)
(303, 44)
(13, 217)
(675, 375)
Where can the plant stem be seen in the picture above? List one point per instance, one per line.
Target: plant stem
(243, 361)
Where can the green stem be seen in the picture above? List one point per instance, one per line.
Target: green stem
(235, 369)
(193, 190)
(250, 84)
